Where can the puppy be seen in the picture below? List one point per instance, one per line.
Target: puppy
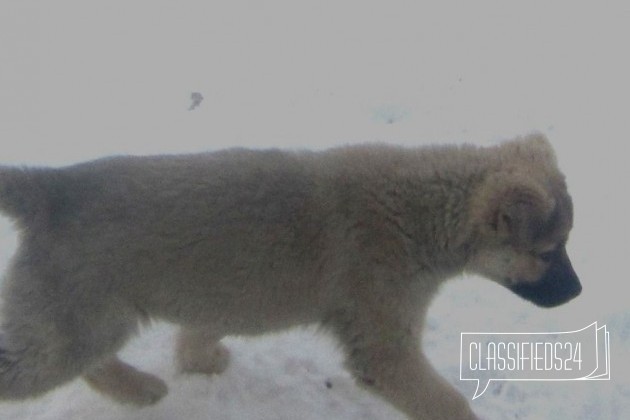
(358, 239)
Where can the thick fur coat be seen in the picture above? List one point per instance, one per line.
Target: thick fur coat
(357, 239)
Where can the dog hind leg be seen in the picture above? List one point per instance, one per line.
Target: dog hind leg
(125, 384)
(55, 328)
(31, 366)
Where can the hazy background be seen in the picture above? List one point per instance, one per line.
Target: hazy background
(84, 79)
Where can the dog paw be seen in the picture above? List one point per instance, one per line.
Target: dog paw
(125, 384)
(148, 391)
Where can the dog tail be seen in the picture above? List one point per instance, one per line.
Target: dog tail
(22, 193)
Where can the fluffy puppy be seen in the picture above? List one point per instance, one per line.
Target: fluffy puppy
(357, 238)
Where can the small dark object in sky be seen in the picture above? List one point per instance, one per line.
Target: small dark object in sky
(196, 98)
(328, 384)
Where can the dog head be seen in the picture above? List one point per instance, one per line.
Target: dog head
(523, 215)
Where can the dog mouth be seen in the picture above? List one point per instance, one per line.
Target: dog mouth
(558, 285)
(548, 294)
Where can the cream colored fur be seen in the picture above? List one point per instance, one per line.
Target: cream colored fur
(358, 239)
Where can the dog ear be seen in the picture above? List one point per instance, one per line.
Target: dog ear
(515, 209)
(521, 215)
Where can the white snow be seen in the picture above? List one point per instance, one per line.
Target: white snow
(79, 80)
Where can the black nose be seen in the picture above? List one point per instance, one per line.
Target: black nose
(558, 285)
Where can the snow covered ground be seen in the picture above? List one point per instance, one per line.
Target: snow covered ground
(79, 80)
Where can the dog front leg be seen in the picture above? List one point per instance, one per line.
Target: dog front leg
(199, 351)
(384, 357)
